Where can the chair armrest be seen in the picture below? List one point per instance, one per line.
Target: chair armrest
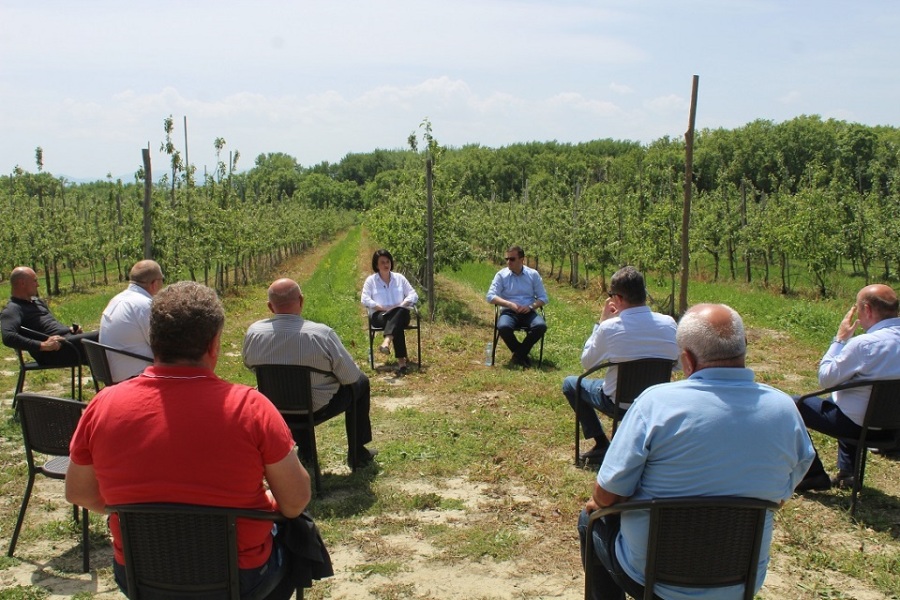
(148, 359)
(841, 386)
(592, 370)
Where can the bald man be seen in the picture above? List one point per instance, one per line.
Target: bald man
(287, 338)
(26, 309)
(873, 354)
(716, 433)
(125, 323)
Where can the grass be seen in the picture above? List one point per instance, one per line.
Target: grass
(475, 462)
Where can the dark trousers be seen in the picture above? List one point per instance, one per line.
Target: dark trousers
(67, 356)
(394, 322)
(356, 412)
(605, 581)
(532, 322)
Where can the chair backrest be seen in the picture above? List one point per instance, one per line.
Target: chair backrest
(883, 410)
(635, 376)
(182, 551)
(288, 387)
(702, 542)
(96, 355)
(48, 423)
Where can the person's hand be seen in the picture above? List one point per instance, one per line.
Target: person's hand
(52, 343)
(523, 309)
(609, 310)
(590, 506)
(848, 325)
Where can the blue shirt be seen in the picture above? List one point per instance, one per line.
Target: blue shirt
(874, 354)
(717, 433)
(523, 289)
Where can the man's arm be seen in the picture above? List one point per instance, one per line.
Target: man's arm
(83, 489)
(289, 484)
(11, 320)
(601, 499)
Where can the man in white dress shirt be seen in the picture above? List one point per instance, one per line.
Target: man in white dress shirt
(286, 338)
(628, 330)
(125, 323)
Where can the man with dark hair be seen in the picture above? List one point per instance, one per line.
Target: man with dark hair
(874, 354)
(519, 291)
(627, 330)
(25, 309)
(715, 433)
(286, 338)
(125, 323)
(177, 433)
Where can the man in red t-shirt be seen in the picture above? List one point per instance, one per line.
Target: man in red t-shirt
(177, 433)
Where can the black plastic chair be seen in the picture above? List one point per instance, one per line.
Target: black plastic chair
(418, 327)
(186, 551)
(99, 361)
(497, 310)
(882, 414)
(290, 389)
(48, 425)
(632, 378)
(703, 542)
(31, 365)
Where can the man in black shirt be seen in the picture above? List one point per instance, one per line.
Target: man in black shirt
(25, 309)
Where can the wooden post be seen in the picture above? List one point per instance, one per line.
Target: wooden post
(686, 212)
(429, 251)
(148, 189)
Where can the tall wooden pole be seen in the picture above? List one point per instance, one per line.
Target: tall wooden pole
(686, 212)
(429, 251)
(148, 189)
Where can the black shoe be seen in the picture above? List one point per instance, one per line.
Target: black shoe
(401, 371)
(595, 455)
(843, 481)
(521, 360)
(816, 483)
(364, 457)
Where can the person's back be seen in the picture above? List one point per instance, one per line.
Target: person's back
(715, 434)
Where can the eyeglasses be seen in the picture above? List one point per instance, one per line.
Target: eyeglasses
(611, 294)
(512, 258)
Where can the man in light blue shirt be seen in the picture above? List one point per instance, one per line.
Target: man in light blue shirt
(716, 433)
(519, 291)
(628, 330)
(874, 354)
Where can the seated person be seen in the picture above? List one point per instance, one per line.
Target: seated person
(628, 330)
(287, 338)
(125, 323)
(716, 433)
(519, 291)
(388, 296)
(25, 309)
(177, 433)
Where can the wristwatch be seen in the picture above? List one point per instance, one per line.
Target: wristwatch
(837, 340)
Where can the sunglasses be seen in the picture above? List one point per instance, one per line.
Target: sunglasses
(512, 258)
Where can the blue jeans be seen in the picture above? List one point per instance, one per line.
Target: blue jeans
(533, 324)
(592, 395)
(606, 584)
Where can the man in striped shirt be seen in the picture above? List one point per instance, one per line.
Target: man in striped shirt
(286, 338)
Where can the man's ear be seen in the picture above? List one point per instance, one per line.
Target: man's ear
(271, 308)
(688, 362)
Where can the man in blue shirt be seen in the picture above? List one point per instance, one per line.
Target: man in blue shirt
(874, 354)
(519, 291)
(716, 433)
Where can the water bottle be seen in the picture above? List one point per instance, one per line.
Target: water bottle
(489, 354)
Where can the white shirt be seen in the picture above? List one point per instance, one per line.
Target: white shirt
(125, 325)
(397, 291)
(634, 333)
(874, 354)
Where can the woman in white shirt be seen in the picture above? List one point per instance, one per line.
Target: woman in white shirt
(388, 297)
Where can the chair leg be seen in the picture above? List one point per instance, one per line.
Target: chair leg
(85, 540)
(858, 480)
(20, 385)
(18, 527)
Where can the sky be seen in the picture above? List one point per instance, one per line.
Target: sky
(92, 82)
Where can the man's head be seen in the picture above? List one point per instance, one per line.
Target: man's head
(186, 320)
(285, 297)
(628, 285)
(875, 303)
(515, 259)
(711, 335)
(148, 275)
(23, 283)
